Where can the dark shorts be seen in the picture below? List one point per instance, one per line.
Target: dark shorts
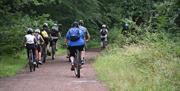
(30, 47)
(39, 48)
(46, 40)
(54, 40)
(72, 49)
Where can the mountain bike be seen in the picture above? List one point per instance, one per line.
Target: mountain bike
(31, 59)
(77, 63)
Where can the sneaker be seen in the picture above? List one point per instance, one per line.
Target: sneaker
(34, 63)
(72, 67)
(82, 62)
(40, 62)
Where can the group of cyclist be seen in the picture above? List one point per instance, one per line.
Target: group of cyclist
(38, 40)
(76, 39)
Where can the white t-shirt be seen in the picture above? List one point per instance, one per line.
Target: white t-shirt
(30, 39)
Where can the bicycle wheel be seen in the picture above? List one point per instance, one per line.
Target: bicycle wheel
(77, 64)
(31, 66)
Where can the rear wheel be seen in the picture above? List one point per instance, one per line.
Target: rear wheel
(77, 64)
(31, 65)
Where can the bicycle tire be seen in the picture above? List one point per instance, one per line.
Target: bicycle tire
(77, 64)
(31, 66)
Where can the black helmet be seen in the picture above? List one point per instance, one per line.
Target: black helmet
(45, 25)
(29, 30)
(75, 24)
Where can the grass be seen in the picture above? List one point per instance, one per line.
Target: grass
(94, 43)
(11, 64)
(145, 67)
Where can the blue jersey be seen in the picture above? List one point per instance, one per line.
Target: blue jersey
(79, 42)
(84, 29)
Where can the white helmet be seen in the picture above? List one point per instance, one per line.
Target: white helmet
(104, 25)
(37, 30)
(55, 24)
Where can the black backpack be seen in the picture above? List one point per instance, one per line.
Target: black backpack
(74, 34)
(103, 32)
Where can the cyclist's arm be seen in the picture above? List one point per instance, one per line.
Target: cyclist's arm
(42, 40)
(88, 36)
(59, 34)
(35, 41)
(67, 38)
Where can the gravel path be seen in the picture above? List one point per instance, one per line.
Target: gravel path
(56, 76)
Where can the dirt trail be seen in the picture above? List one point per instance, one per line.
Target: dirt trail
(55, 76)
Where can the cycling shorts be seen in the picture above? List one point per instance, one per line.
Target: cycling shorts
(72, 49)
(39, 48)
(46, 40)
(54, 40)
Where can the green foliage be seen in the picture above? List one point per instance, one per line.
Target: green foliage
(12, 35)
(10, 65)
(146, 58)
(149, 66)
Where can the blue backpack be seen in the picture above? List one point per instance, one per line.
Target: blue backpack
(74, 34)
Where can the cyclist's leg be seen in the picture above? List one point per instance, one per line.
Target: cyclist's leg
(83, 53)
(47, 44)
(101, 42)
(27, 49)
(39, 50)
(72, 51)
(34, 52)
(37, 53)
(68, 52)
(55, 41)
(106, 41)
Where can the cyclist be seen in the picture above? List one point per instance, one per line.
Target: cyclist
(40, 42)
(125, 28)
(45, 35)
(55, 34)
(103, 35)
(87, 37)
(75, 40)
(29, 42)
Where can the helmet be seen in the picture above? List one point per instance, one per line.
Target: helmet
(29, 30)
(55, 24)
(103, 26)
(37, 31)
(75, 24)
(126, 24)
(55, 28)
(45, 25)
(81, 22)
